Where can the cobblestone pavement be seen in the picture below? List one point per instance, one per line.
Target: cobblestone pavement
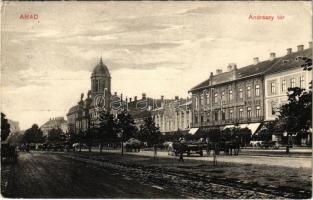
(198, 181)
(90, 175)
(42, 175)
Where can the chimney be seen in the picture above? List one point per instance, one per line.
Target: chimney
(219, 71)
(300, 47)
(289, 51)
(143, 95)
(272, 56)
(310, 44)
(135, 98)
(121, 97)
(176, 97)
(115, 93)
(231, 66)
(162, 97)
(256, 60)
(130, 99)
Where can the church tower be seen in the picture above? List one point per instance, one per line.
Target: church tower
(101, 82)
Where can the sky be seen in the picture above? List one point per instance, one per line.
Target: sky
(157, 48)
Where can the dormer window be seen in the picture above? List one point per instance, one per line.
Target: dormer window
(298, 58)
(285, 61)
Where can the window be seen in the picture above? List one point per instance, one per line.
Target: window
(273, 89)
(241, 113)
(223, 97)
(257, 111)
(207, 98)
(223, 114)
(215, 98)
(230, 114)
(240, 93)
(196, 119)
(302, 82)
(196, 102)
(283, 85)
(201, 100)
(257, 90)
(249, 112)
(292, 82)
(230, 95)
(187, 117)
(274, 107)
(182, 119)
(201, 118)
(216, 116)
(248, 91)
(208, 116)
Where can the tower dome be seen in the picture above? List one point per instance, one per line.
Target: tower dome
(100, 70)
(101, 82)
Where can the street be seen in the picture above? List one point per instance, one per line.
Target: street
(91, 175)
(39, 175)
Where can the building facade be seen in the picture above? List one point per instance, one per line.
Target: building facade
(54, 123)
(85, 114)
(287, 73)
(173, 115)
(249, 95)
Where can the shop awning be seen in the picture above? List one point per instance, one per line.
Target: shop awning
(253, 127)
(193, 130)
(228, 126)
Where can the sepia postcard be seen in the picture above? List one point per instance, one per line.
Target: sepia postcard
(156, 99)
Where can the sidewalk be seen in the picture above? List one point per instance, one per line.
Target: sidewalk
(293, 162)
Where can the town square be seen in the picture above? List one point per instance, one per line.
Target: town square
(163, 100)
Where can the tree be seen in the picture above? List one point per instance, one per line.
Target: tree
(151, 133)
(270, 128)
(108, 129)
(33, 135)
(296, 115)
(125, 127)
(15, 138)
(88, 137)
(5, 127)
(55, 136)
(80, 139)
(307, 63)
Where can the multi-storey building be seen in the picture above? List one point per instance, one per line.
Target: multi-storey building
(286, 73)
(233, 97)
(86, 113)
(247, 96)
(54, 123)
(173, 115)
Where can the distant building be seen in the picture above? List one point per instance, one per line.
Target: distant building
(54, 123)
(173, 115)
(14, 126)
(85, 114)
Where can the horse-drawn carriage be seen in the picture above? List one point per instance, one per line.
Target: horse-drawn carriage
(189, 148)
(228, 147)
(133, 145)
(231, 147)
